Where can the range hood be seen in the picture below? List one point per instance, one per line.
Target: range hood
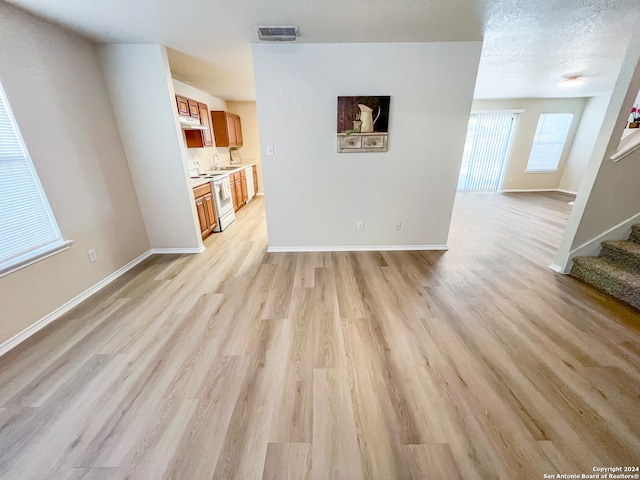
(191, 124)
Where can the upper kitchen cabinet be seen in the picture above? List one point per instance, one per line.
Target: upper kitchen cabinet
(183, 106)
(196, 110)
(227, 129)
(207, 134)
(238, 127)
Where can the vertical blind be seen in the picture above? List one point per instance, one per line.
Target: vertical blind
(27, 226)
(486, 150)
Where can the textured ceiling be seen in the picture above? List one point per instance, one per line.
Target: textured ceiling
(528, 45)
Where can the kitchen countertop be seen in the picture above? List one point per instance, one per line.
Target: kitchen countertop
(196, 182)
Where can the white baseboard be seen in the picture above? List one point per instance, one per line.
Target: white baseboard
(557, 268)
(592, 247)
(356, 248)
(525, 190)
(175, 251)
(58, 312)
(570, 192)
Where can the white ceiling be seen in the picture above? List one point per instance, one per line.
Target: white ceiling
(529, 45)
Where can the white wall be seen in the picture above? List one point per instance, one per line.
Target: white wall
(515, 176)
(56, 90)
(609, 194)
(202, 155)
(314, 196)
(584, 142)
(141, 91)
(250, 151)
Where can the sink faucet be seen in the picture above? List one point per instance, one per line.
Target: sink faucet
(216, 159)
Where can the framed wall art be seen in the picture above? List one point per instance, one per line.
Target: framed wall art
(363, 124)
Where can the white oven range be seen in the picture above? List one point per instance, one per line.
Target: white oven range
(221, 189)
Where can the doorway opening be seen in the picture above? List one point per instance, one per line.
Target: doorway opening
(486, 150)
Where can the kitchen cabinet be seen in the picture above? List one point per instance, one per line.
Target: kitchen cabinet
(239, 194)
(238, 189)
(238, 130)
(206, 209)
(234, 198)
(194, 111)
(227, 129)
(183, 106)
(238, 183)
(207, 134)
(231, 131)
(255, 179)
(243, 186)
(200, 138)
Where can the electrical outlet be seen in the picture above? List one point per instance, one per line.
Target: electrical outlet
(93, 256)
(360, 225)
(399, 225)
(269, 149)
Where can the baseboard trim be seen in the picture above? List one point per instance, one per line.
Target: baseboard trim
(356, 248)
(525, 190)
(557, 268)
(58, 312)
(176, 251)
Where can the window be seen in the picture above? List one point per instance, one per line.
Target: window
(549, 141)
(486, 150)
(28, 231)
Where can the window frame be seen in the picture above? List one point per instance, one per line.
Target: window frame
(21, 260)
(555, 169)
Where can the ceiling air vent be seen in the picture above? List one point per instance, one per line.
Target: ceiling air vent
(277, 34)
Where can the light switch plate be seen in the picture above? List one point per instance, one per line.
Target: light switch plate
(269, 150)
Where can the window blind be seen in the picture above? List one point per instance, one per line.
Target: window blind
(27, 226)
(486, 150)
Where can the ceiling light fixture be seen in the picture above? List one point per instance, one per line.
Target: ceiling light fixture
(573, 81)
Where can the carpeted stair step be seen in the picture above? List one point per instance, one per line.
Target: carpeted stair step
(622, 253)
(608, 278)
(635, 233)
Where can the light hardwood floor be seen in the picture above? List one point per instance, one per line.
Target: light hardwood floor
(476, 363)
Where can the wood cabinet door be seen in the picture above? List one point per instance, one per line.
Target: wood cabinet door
(231, 130)
(238, 188)
(202, 217)
(207, 135)
(194, 111)
(243, 186)
(210, 211)
(239, 194)
(255, 179)
(220, 131)
(183, 106)
(232, 181)
(238, 130)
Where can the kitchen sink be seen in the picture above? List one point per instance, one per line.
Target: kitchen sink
(227, 168)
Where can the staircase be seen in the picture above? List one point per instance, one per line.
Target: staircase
(616, 270)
